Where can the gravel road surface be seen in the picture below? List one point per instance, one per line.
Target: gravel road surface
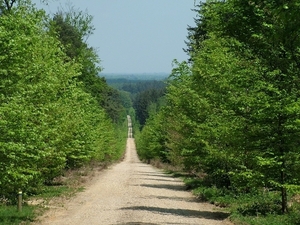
(132, 193)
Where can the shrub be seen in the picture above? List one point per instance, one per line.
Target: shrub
(260, 204)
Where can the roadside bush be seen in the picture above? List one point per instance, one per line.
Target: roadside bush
(294, 214)
(211, 194)
(260, 204)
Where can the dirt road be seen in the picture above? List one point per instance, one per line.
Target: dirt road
(134, 193)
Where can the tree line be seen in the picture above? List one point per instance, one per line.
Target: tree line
(145, 97)
(55, 111)
(231, 113)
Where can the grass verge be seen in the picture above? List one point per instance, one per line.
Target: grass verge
(9, 215)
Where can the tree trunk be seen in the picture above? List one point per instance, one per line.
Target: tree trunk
(283, 193)
(283, 166)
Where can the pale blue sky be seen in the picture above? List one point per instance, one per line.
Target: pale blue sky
(135, 36)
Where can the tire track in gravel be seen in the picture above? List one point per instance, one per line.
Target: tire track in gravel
(132, 193)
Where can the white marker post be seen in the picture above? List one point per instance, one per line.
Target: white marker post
(20, 201)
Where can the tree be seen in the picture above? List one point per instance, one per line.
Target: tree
(270, 32)
(143, 101)
(233, 113)
(198, 33)
(34, 76)
(73, 29)
(48, 122)
(6, 5)
(151, 141)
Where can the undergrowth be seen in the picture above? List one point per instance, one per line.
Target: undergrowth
(9, 215)
(259, 208)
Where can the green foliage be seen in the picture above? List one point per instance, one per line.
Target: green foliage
(138, 86)
(259, 204)
(291, 218)
(150, 142)
(262, 207)
(208, 193)
(49, 121)
(145, 103)
(10, 216)
(125, 99)
(51, 191)
(33, 75)
(233, 113)
(198, 33)
(144, 96)
(119, 140)
(73, 29)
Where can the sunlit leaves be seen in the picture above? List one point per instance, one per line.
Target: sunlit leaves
(47, 121)
(234, 112)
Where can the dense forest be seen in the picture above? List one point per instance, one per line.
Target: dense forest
(56, 113)
(231, 113)
(140, 97)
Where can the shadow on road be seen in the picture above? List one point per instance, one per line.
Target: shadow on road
(165, 186)
(136, 223)
(180, 199)
(164, 180)
(181, 212)
(153, 174)
(141, 223)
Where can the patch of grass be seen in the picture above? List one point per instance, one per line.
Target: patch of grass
(9, 215)
(265, 220)
(55, 191)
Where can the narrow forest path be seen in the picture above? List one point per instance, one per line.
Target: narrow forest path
(132, 192)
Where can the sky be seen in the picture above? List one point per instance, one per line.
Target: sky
(135, 36)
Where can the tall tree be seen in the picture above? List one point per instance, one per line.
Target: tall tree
(47, 121)
(33, 77)
(6, 5)
(198, 33)
(238, 108)
(73, 29)
(270, 31)
(143, 101)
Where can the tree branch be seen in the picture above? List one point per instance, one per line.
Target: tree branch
(9, 4)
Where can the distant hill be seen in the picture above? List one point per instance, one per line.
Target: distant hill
(134, 76)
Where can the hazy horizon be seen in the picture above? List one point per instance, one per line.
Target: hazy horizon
(135, 36)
